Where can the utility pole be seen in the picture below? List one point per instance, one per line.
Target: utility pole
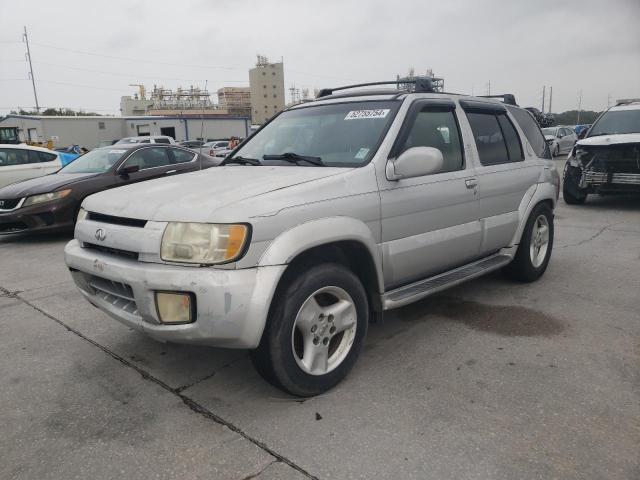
(550, 97)
(579, 105)
(544, 88)
(33, 80)
(489, 88)
(608, 100)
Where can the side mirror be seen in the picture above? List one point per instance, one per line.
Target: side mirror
(415, 162)
(582, 134)
(125, 171)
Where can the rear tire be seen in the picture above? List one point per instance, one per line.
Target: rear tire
(315, 330)
(571, 191)
(536, 244)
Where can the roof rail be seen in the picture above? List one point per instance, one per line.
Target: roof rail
(627, 101)
(422, 85)
(507, 98)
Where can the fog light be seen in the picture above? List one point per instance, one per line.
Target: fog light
(175, 307)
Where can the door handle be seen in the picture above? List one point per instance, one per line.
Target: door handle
(471, 183)
(169, 172)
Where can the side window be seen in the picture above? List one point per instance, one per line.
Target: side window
(40, 157)
(149, 158)
(437, 129)
(13, 156)
(489, 139)
(162, 140)
(531, 130)
(182, 156)
(514, 148)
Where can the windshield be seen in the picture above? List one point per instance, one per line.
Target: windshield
(96, 161)
(617, 121)
(340, 135)
(549, 131)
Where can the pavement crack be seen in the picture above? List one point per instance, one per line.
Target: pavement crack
(255, 475)
(593, 237)
(208, 376)
(189, 402)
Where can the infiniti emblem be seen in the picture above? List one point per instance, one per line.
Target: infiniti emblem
(100, 234)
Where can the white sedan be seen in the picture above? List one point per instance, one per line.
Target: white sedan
(21, 162)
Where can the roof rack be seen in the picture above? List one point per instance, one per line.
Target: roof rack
(421, 85)
(507, 98)
(627, 101)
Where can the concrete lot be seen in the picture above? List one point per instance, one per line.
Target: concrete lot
(490, 380)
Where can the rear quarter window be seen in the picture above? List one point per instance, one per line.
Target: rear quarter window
(531, 130)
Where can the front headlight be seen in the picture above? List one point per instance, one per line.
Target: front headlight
(46, 197)
(203, 243)
(82, 214)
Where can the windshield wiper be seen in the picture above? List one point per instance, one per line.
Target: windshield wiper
(295, 158)
(241, 161)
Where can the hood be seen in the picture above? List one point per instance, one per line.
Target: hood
(195, 196)
(44, 184)
(601, 140)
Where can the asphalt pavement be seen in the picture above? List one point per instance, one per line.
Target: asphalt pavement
(490, 380)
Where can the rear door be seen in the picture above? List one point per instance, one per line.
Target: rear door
(45, 162)
(183, 160)
(429, 223)
(503, 176)
(15, 165)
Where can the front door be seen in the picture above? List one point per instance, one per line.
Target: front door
(429, 223)
(153, 162)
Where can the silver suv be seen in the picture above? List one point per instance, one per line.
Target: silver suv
(333, 212)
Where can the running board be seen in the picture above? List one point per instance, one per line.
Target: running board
(423, 288)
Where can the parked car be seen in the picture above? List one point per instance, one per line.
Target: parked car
(581, 130)
(147, 139)
(192, 143)
(53, 201)
(607, 160)
(334, 211)
(70, 153)
(211, 148)
(20, 162)
(106, 143)
(561, 139)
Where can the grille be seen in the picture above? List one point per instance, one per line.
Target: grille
(9, 204)
(615, 158)
(129, 222)
(112, 251)
(118, 294)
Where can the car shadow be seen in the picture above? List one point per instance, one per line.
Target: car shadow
(36, 238)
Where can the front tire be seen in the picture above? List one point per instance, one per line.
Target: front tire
(571, 191)
(315, 331)
(534, 251)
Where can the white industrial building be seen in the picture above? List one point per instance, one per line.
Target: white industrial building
(89, 131)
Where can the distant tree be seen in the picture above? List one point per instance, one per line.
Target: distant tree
(55, 112)
(570, 117)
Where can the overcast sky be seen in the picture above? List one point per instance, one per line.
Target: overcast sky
(85, 53)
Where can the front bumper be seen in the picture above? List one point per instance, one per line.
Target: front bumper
(232, 305)
(56, 215)
(591, 178)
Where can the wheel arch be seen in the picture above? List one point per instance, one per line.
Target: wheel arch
(342, 240)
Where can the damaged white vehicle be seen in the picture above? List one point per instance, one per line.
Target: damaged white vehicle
(334, 211)
(607, 160)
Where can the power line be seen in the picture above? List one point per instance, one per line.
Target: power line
(137, 60)
(130, 75)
